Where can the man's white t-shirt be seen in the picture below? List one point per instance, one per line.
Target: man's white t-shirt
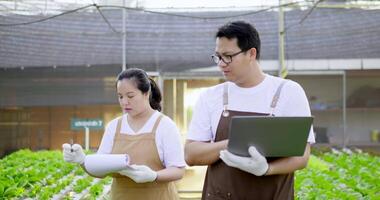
(168, 140)
(208, 109)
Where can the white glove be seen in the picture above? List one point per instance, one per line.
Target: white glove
(139, 173)
(73, 154)
(256, 164)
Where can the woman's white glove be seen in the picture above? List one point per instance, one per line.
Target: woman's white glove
(73, 154)
(139, 173)
(256, 164)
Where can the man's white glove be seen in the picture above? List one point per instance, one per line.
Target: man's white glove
(139, 173)
(256, 164)
(73, 154)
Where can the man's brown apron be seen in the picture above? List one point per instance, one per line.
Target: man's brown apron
(224, 182)
(142, 150)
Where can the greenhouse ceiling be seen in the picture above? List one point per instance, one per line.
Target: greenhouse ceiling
(175, 40)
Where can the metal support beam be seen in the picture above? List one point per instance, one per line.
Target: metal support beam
(124, 35)
(281, 41)
(344, 111)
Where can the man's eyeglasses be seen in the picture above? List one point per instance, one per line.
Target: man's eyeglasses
(226, 58)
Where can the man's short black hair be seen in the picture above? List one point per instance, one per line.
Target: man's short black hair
(246, 35)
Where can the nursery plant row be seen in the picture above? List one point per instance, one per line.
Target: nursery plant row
(44, 175)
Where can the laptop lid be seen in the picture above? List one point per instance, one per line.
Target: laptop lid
(272, 136)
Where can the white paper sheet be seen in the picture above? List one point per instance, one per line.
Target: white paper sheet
(103, 164)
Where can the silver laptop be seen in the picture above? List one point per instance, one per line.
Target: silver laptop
(272, 136)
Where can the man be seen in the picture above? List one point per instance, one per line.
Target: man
(248, 91)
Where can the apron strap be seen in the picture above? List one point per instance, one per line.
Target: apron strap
(225, 95)
(276, 97)
(118, 127)
(117, 132)
(225, 99)
(156, 124)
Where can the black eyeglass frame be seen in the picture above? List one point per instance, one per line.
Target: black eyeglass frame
(218, 58)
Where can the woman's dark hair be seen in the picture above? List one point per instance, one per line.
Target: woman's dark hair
(246, 35)
(145, 84)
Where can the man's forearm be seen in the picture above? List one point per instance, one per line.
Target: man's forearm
(203, 153)
(290, 164)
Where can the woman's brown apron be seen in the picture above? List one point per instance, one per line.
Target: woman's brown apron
(142, 150)
(224, 182)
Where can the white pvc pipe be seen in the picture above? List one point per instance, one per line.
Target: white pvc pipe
(87, 138)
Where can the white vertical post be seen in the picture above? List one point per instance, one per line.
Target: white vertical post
(344, 111)
(160, 82)
(87, 138)
(281, 39)
(46, 3)
(124, 38)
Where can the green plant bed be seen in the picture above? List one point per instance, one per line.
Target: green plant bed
(339, 176)
(329, 175)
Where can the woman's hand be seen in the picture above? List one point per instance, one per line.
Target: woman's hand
(73, 154)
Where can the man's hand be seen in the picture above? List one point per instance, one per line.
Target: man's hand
(139, 173)
(73, 154)
(256, 164)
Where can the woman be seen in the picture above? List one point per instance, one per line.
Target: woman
(151, 140)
